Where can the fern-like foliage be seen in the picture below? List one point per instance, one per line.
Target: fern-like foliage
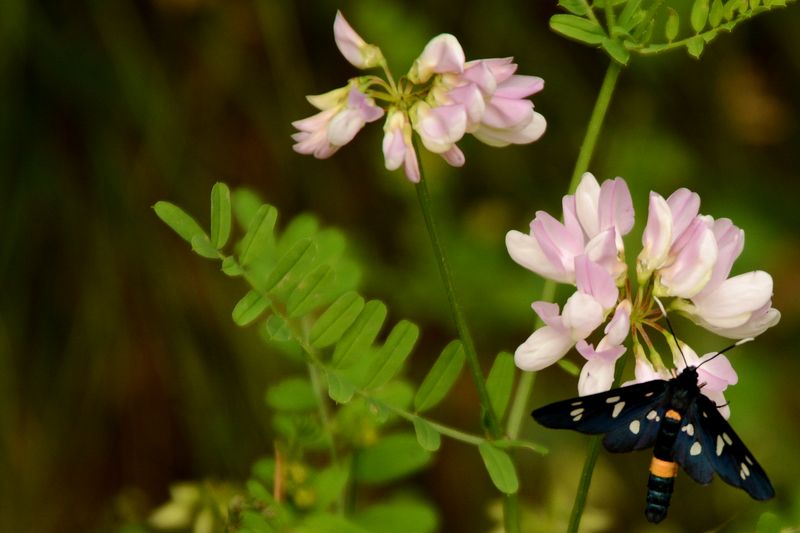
(623, 27)
(301, 295)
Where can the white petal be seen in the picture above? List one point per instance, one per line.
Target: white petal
(735, 299)
(657, 235)
(543, 348)
(582, 315)
(597, 375)
(587, 199)
(525, 251)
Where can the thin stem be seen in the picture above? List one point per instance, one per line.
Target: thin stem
(595, 123)
(322, 407)
(455, 308)
(588, 465)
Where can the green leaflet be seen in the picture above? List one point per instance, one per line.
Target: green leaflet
(249, 308)
(330, 327)
(440, 378)
(673, 25)
(393, 457)
(177, 219)
(500, 468)
(328, 523)
(500, 383)
(220, 215)
(427, 436)
(291, 267)
(699, 15)
(292, 394)
(203, 247)
(387, 362)
(328, 485)
(340, 390)
(259, 241)
(577, 28)
(359, 337)
(398, 516)
(311, 292)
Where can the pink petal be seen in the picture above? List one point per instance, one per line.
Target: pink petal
(602, 249)
(718, 372)
(615, 206)
(411, 165)
(597, 375)
(505, 113)
(350, 44)
(470, 97)
(442, 54)
(684, 205)
(730, 242)
(479, 74)
(556, 241)
(549, 313)
(691, 269)
(441, 126)
(519, 87)
(582, 315)
(525, 251)
(503, 137)
(501, 67)
(454, 156)
(618, 328)
(735, 300)
(592, 279)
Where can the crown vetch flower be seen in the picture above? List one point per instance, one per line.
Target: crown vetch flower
(685, 256)
(595, 219)
(442, 98)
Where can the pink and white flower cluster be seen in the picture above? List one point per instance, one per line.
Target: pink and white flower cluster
(685, 255)
(442, 98)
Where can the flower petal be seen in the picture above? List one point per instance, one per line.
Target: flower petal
(684, 205)
(735, 300)
(359, 53)
(587, 199)
(520, 86)
(543, 348)
(582, 315)
(597, 374)
(615, 206)
(691, 269)
(442, 54)
(657, 236)
(592, 279)
(525, 251)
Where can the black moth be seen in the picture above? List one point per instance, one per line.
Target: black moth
(682, 424)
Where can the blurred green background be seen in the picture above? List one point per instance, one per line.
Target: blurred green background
(120, 369)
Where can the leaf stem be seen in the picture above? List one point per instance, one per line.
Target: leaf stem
(455, 308)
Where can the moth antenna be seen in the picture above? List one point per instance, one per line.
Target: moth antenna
(669, 325)
(731, 347)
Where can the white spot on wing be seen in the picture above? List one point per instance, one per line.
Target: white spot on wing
(634, 427)
(577, 417)
(576, 411)
(727, 439)
(577, 403)
(688, 429)
(747, 458)
(652, 415)
(695, 449)
(612, 399)
(649, 394)
(618, 409)
(720, 445)
(744, 471)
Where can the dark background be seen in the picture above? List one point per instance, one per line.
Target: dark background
(120, 369)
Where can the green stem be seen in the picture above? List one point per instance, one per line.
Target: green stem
(588, 465)
(510, 501)
(583, 487)
(455, 308)
(595, 123)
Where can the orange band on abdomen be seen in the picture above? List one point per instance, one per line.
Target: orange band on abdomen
(663, 468)
(674, 415)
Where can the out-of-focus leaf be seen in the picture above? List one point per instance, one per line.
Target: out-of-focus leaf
(399, 516)
(333, 323)
(340, 390)
(291, 267)
(616, 50)
(715, 14)
(631, 14)
(576, 7)
(231, 267)
(328, 485)
(393, 457)
(220, 215)
(245, 204)
(303, 226)
(257, 490)
(427, 436)
(328, 523)
(360, 336)
(500, 383)
(768, 523)
(392, 354)
(699, 15)
(259, 241)
(177, 219)
(203, 247)
(311, 292)
(673, 24)
(292, 394)
(255, 522)
(276, 329)
(695, 46)
(441, 377)
(249, 308)
(577, 28)
(500, 468)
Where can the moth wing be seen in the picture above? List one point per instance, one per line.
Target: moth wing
(603, 412)
(689, 450)
(727, 454)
